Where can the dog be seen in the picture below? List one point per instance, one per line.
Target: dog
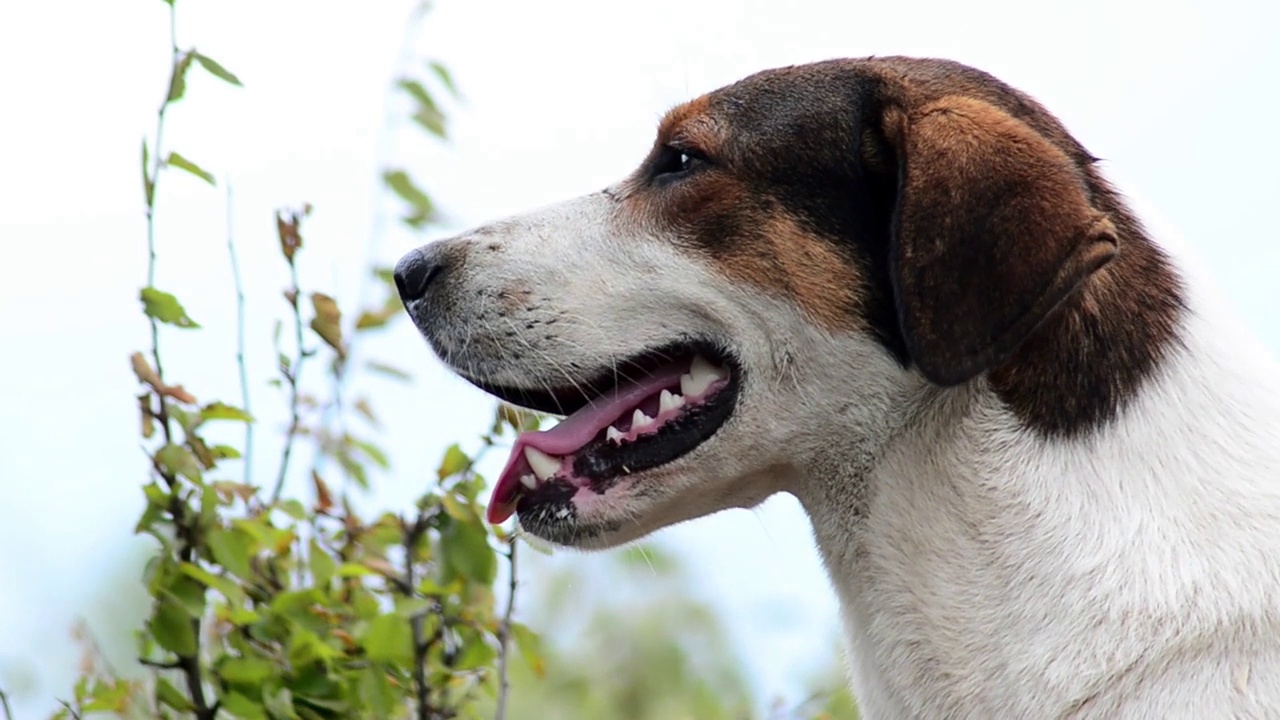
(1040, 459)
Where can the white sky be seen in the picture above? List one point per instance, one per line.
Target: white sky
(561, 98)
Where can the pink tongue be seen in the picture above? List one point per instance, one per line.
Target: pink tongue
(570, 434)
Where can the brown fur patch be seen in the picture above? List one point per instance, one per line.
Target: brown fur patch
(994, 230)
(950, 214)
(788, 262)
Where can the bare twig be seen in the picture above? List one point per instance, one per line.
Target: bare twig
(70, 709)
(4, 703)
(244, 373)
(504, 635)
(152, 181)
(408, 585)
(291, 377)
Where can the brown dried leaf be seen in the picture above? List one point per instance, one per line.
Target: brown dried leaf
(142, 369)
(148, 418)
(327, 322)
(288, 227)
(324, 498)
(179, 393)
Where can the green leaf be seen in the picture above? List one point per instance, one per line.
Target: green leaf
(178, 460)
(454, 462)
(423, 208)
(294, 509)
(178, 81)
(224, 452)
(409, 606)
(172, 627)
(246, 670)
(167, 694)
(376, 695)
(322, 564)
(390, 371)
(189, 593)
(445, 77)
(227, 587)
(456, 509)
(164, 307)
(475, 654)
(232, 550)
(389, 640)
(279, 704)
(182, 163)
(376, 455)
(530, 646)
(242, 707)
(216, 69)
(428, 114)
(467, 552)
(327, 322)
(223, 411)
(354, 570)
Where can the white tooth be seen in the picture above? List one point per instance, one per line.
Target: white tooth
(667, 401)
(544, 465)
(529, 481)
(686, 385)
(639, 421)
(613, 435)
(701, 374)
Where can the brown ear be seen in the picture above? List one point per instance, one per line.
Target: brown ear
(993, 229)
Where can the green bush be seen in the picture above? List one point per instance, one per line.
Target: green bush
(267, 605)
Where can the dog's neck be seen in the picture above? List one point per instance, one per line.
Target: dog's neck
(975, 552)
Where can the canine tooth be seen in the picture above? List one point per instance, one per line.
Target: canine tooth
(543, 465)
(686, 385)
(667, 401)
(700, 376)
(529, 481)
(702, 366)
(613, 435)
(639, 421)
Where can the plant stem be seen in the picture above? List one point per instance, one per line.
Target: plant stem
(158, 157)
(182, 520)
(504, 636)
(292, 377)
(421, 645)
(4, 703)
(244, 373)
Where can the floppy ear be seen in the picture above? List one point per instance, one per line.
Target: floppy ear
(993, 229)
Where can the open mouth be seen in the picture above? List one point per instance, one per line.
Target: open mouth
(647, 412)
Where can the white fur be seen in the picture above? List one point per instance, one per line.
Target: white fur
(984, 571)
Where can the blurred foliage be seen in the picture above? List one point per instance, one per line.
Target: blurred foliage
(658, 653)
(264, 604)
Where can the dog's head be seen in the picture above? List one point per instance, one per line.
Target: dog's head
(800, 255)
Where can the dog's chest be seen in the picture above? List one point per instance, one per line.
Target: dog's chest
(946, 615)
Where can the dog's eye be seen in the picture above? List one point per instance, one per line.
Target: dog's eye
(678, 160)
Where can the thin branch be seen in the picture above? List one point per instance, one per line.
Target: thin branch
(504, 636)
(408, 585)
(157, 664)
(291, 376)
(244, 373)
(178, 508)
(4, 703)
(70, 709)
(158, 156)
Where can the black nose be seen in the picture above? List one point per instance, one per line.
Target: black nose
(416, 270)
